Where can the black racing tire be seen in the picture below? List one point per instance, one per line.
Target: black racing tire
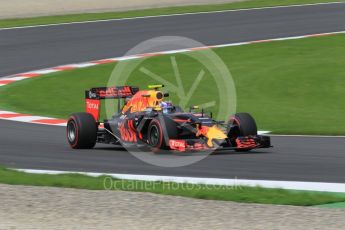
(167, 130)
(242, 123)
(82, 131)
(155, 135)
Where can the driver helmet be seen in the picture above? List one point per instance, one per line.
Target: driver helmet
(166, 106)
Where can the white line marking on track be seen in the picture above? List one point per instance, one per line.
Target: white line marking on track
(176, 51)
(295, 185)
(83, 65)
(13, 78)
(126, 58)
(26, 118)
(172, 15)
(43, 71)
(7, 112)
(263, 132)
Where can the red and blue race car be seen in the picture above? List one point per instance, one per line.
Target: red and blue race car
(145, 118)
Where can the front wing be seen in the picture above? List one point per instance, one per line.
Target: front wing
(242, 144)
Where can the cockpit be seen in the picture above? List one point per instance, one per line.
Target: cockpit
(167, 107)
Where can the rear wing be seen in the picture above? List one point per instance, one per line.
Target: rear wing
(94, 96)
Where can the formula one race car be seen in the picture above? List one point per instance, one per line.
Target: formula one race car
(146, 119)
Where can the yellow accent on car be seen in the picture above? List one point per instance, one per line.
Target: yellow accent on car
(214, 133)
(155, 86)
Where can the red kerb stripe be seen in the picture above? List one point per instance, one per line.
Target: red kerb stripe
(11, 115)
(6, 81)
(103, 61)
(28, 74)
(64, 67)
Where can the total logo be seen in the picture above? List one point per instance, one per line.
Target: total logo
(91, 105)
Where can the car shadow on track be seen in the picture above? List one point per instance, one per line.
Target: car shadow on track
(176, 153)
(253, 152)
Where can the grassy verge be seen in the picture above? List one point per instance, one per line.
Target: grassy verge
(292, 87)
(226, 193)
(6, 23)
(333, 205)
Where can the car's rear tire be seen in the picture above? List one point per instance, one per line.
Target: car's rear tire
(82, 131)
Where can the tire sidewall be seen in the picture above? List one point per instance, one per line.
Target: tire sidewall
(85, 130)
(157, 124)
(72, 121)
(245, 123)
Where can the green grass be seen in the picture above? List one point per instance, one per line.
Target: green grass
(290, 87)
(333, 205)
(227, 193)
(6, 23)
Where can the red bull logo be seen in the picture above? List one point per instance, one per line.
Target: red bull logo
(141, 101)
(127, 131)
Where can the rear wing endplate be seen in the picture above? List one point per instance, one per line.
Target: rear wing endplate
(94, 96)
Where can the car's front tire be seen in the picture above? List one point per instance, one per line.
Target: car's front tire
(155, 134)
(242, 124)
(82, 131)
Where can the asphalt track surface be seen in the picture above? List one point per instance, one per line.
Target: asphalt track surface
(44, 147)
